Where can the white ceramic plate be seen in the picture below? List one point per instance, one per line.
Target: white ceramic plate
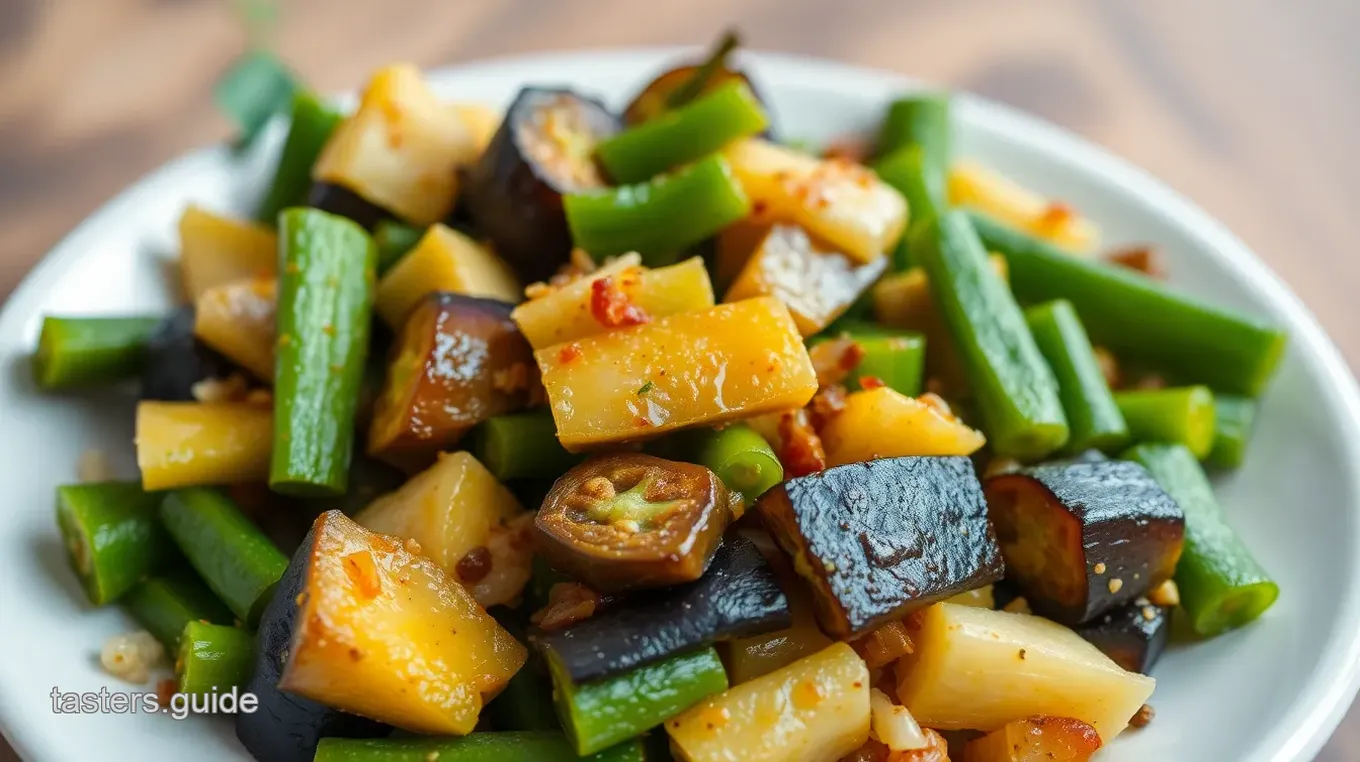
(1272, 692)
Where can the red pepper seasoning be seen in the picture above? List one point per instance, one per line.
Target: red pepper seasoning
(611, 307)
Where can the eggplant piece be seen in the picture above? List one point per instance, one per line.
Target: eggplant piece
(176, 360)
(544, 149)
(287, 727)
(458, 361)
(337, 199)
(1083, 538)
(739, 595)
(1133, 636)
(656, 98)
(880, 539)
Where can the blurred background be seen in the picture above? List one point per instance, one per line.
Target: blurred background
(1248, 107)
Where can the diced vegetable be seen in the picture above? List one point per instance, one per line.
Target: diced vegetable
(180, 444)
(628, 521)
(523, 746)
(816, 283)
(884, 644)
(838, 201)
(582, 308)
(1181, 415)
(1015, 388)
(881, 423)
(738, 455)
(310, 127)
(176, 361)
(465, 522)
(1234, 418)
(237, 320)
(1133, 636)
(678, 371)
(1093, 418)
(600, 714)
(675, 87)
(232, 555)
(112, 536)
(725, 113)
(750, 657)
(253, 90)
(1222, 586)
(920, 119)
(893, 725)
(739, 595)
(394, 240)
(910, 172)
(365, 593)
(214, 658)
(1192, 341)
(543, 149)
(400, 148)
(1037, 739)
(975, 187)
(324, 299)
(76, 352)
(975, 669)
(916, 546)
(896, 358)
(165, 604)
(815, 709)
(1081, 539)
(522, 446)
(458, 361)
(215, 250)
(444, 260)
(660, 218)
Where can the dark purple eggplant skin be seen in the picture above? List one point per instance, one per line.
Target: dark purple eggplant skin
(175, 360)
(337, 199)
(517, 203)
(738, 595)
(669, 80)
(1130, 531)
(1133, 636)
(287, 728)
(883, 538)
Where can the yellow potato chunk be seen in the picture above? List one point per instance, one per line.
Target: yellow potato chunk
(237, 319)
(183, 444)
(482, 121)
(399, 150)
(443, 260)
(816, 283)
(883, 423)
(215, 250)
(464, 521)
(696, 368)
(977, 669)
(836, 200)
(976, 187)
(567, 314)
(813, 710)
(384, 633)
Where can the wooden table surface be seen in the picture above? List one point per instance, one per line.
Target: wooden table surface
(1246, 106)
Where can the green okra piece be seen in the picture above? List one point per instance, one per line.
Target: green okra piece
(214, 658)
(112, 535)
(1180, 415)
(75, 352)
(1093, 417)
(164, 604)
(310, 127)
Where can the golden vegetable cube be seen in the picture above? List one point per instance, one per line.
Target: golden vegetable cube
(883, 423)
(400, 149)
(976, 187)
(237, 320)
(482, 122)
(696, 368)
(813, 710)
(816, 283)
(215, 250)
(839, 201)
(443, 260)
(183, 444)
(576, 310)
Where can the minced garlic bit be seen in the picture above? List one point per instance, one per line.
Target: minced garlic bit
(233, 388)
(132, 656)
(1166, 594)
(93, 466)
(1018, 605)
(1099, 568)
(1116, 585)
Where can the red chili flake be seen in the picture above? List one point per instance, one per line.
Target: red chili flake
(800, 449)
(641, 423)
(833, 360)
(610, 306)
(474, 565)
(870, 382)
(165, 691)
(568, 603)
(826, 404)
(1057, 213)
(1144, 259)
(568, 353)
(758, 207)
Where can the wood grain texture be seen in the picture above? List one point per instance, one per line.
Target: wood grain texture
(1246, 106)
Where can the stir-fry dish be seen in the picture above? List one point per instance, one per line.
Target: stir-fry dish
(651, 433)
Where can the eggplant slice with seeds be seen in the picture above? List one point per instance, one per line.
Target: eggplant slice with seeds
(1133, 636)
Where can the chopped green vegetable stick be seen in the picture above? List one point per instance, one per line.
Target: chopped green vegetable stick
(716, 62)
(1234, 417)
(919, 120)
(1222, 587)
(1092, 415)
(75, 352)
(1139, 319)
(1183, 415)
(525, 703)
(519, 746)
(907, 170)
(600, 714)
(165, 604)
(394, 240)
(214, 658)
(896, 360)
(311, 126)
(112, 536)
(257, 87)
(522, 446)
(232, 555)
(1013, 385)
(660, 218)
(326, 284)
(738, 455)
(713, 120)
